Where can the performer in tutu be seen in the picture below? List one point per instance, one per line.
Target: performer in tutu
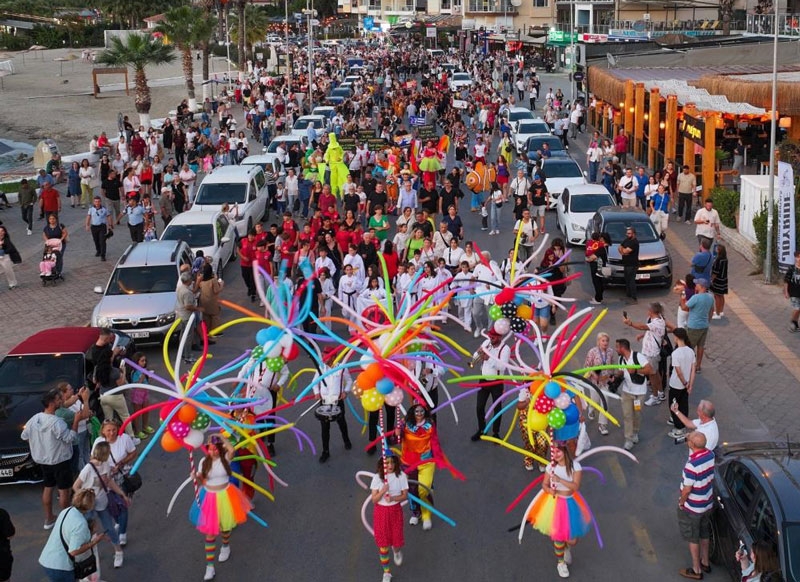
(389, 489)
(420, 449)
(430, 163)
(559, 510)
(221, 506)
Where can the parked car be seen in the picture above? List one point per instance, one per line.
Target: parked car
(288, 140)
(210, 232)
(460, 81)
(325, 110)
(517, 114)
(140, 295)
(245, 186)
(655, 263)
(267, 162)
(534, 145)
(561, 172)
(757, 486)
(319, 122)
(31, 369)
(576, 206)
(338, 95)
(527, 128)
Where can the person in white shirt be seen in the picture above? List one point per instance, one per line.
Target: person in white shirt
(681, 381)
(655, 328)
(519, 187)
(323, 261)
(707, 221)
(388, 490)
(402, 281)
(628, 186)
(408, 197)
(508, 262)
(328, 292)
(372, 294)
(292, 188)
(529, 234)
(453, 256)
(354, 260)
(705, 422)
(348, 292)
(634, 389)
(460, 284)
(332, 390)
(494, 355)
(441, 240)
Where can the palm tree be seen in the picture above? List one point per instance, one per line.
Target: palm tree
(257, 22)
(186, 27)
(240, 17)
(137, 51)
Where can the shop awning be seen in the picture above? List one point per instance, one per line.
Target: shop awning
(702, 99)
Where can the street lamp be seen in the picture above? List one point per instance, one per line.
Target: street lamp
(773, 130)
(572, 50)
(311, 13)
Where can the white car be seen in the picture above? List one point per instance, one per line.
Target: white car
(527, 128)
(210, 232)
(325, 111)
(516, 114)
(576, 206)
(459, 81)
(319, 122)
(560, 172)
(268, 162)
(272, 148)
(245, 186)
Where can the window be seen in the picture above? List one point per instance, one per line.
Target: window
(541, 3)
(762, 521)
(742, 485)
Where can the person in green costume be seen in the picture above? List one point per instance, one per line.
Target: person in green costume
(334, 157)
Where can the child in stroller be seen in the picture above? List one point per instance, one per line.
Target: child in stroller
(48, 267)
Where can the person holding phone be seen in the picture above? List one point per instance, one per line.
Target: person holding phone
(760, 564)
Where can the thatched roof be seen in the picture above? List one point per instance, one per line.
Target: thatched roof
(606, 86)
(758, 93)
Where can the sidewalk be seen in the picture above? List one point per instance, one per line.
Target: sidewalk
(751, 347)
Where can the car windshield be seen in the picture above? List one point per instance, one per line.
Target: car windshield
(304, 123)
(645, 233)
(554, 143)
(142, 280)
(517, 115)
(195, 235)
(219, 194)
(565, 169)
(530, 127)
(340, 92)
(40, 373)
(589, 202)
(273, 145)
(461, 77)
(793, 552)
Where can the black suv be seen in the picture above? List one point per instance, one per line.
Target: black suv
(757, 488)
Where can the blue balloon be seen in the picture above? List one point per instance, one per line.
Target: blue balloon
(552, 390)
(572, 413)
(384, 386)
(267, 334)
(567, 432)
(518, 300)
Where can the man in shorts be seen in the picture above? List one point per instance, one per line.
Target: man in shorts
(696, 504)
(539, 198)
(699, 307)
(50, 440)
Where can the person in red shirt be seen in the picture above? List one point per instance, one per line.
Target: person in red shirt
(263, 257)
(307, 235)
(138, 146)
(326, 199)
(261, 234)
(286, 248)
(621, 146)
(50, 200)
(102, 141)
(247, 254)
(290, 226)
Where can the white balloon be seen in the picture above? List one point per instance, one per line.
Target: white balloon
(502, 325)
(286, 341)
(194, 439)
(275, 351)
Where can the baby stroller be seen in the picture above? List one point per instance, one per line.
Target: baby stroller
(50, 265)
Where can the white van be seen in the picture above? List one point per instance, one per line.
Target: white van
(245, 186)
(435, 53)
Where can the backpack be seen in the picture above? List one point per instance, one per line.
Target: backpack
(635, 377)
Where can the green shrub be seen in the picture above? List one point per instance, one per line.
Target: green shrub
(760, 226)
(727, 204)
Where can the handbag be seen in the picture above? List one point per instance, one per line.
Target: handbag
(83, 568)
(116, 504)
(130, 484)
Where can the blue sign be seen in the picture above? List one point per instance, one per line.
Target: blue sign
(416, 120)
(369, 22)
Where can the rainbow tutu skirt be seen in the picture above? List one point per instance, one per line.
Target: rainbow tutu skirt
(561, 518)
(217, 511)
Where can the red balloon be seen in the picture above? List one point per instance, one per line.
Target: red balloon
(166, 409)
(506, 295)
(291, 353)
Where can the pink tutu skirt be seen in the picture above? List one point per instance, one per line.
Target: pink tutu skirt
(561, 518)
(218, 511)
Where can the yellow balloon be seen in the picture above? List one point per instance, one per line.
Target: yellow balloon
(524, 311)
(537, 421)
(372, 400)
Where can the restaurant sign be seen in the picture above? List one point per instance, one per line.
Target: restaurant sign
(694, 129)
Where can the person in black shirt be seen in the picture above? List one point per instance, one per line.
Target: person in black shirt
(111, 189)
(369, 183)
(368, 250)
(350, 202)
(424, 225)
(378, 198)
(448, 196)
(539, 200)
(429, 198)
(629, 249)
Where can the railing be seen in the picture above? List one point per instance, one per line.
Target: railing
(647, 29)
(788, 24)
(491, 7)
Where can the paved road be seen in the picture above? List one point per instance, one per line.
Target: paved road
(315, 530)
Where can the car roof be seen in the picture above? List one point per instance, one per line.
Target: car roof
(581, 189)
(518, 109)
(619, 214)
(196, 217)
(312, 116)
(231, 174)
(536, 120)
(58, 340)
(559, 160)
(259, 159)
(155, 252)
(550, 139)
(775, 464)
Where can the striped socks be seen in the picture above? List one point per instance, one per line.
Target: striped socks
(211, 545)
(384, 554)
(558, 548)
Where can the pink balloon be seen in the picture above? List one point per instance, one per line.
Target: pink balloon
(179, 429)
(563, 400)
(395, 397)
(502, 326)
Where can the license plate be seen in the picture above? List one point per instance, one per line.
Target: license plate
(138, 334)
(639, 277)
(6, 473)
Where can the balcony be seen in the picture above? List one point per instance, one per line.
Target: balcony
(764, 24)
(490, 7)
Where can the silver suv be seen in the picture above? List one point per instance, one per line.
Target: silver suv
(140, 295)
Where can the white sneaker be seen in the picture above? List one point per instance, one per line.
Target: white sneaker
(123, 539)
(567, 556)
(652, 400)
(594, 301)
(628, 445)
(542, 468)
(210, 573)
(427, 524)
(29, 232)
(716, 316)
(118, 557)
(387, 577)
(662, 396)
(398, 557)
(602, 429)
(563, 570)
(224, 553)
(635, 438)
(677, 433)
(136, 442)
(414, 520)
(476, 333)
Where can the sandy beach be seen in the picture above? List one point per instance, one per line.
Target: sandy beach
(39, 102)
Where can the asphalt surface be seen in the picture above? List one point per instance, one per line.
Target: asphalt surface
(315, 530)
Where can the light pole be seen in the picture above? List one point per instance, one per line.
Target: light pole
(286, 30)
(228, 46)
(572, 51)
(773, 128)
(310, 11)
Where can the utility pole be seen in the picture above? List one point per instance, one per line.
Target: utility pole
(773, 129)
(572, 51)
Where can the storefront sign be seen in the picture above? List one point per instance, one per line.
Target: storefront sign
(786, 228)
(427, 132)
(460, 104)
(430, 32)
(593, 38)
(561, 36)
(694, 129)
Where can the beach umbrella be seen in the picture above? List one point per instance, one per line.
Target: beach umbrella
(61, 61)
(35, 47)
(72, 57)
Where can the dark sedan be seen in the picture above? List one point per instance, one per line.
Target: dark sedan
(757, 488)
(534, 146)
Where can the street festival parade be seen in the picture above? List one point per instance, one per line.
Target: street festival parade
(399, 291)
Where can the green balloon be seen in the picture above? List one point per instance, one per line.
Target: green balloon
(556, 418)
(201, 421)
(257, 352)
(495, 312)
(275, 364)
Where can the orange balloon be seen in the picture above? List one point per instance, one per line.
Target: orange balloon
(187, 413)
(524, 311)
(169, 443)
(369, 377)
